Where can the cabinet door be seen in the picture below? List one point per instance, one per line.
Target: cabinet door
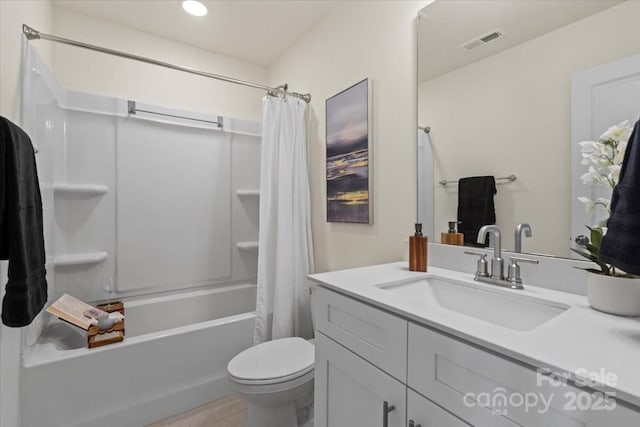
(373, 334)
(349, 391)
(424, 413)
(477, 386)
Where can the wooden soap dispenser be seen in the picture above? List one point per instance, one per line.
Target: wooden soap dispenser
(452, 237)
(418, 245)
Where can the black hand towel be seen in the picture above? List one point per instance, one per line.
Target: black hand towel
(21, 236)
(621, 245)
(475, 206)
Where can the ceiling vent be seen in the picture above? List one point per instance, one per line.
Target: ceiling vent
(483, 40)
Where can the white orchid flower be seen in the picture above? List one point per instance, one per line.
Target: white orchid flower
(605, 156)
(622, 146)
(584, 199)
(602, 162)
(587, 146)
(619, 156)
(586, 159)
(614, 173)
(619, 132)
(604, 159)
(592, 177)
(588, 204)
(605, 203)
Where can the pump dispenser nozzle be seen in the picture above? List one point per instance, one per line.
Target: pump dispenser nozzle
(452, 237)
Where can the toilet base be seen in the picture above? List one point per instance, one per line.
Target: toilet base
(290, 408)
(271, 415)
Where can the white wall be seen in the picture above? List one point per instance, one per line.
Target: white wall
(510, 113)
(102, 74)
(374, 39)
(12, 15)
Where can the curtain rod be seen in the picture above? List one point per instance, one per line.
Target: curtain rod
(33, 34)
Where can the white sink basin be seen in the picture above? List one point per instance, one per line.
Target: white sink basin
(501, 307)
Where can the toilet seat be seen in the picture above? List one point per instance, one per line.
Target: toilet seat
(273, 362)
(248, 388)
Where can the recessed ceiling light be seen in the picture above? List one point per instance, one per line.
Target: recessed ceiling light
(194, 7)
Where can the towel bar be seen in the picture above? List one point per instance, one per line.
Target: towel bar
(510, 178)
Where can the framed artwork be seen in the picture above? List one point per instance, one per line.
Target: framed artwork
(348, 128)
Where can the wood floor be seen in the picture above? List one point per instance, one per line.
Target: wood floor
(227, 412)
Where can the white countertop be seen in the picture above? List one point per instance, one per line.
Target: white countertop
(579, 340)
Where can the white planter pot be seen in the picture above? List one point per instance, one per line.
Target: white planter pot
(614, 295)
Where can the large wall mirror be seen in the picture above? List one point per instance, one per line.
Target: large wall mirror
(509, 88)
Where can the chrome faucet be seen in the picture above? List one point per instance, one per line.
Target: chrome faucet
(497, 263)
(519, 229)
(497, 277)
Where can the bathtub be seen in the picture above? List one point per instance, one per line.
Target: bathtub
(173, 358)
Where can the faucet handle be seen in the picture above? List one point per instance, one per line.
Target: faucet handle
(516, 259)
(482, 270)
(475, 253)
(513, 273)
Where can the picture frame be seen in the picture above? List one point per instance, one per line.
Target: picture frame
(348, 155)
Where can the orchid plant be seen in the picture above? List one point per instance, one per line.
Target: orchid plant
(604, 158)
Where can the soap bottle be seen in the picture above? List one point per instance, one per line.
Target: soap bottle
(452, 237)
(418, 250)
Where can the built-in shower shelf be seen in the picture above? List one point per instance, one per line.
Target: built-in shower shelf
(247, 246)
(87, 190)
(248, 193)
(79, 259)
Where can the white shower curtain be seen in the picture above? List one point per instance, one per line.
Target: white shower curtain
(285, 245)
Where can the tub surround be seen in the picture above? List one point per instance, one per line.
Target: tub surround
(578, 340)
(92, 148)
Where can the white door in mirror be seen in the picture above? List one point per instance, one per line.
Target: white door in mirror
(600, 97)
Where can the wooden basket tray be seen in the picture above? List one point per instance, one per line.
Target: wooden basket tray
(98, 338)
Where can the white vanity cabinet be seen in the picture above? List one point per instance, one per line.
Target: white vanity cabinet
(352, 392)
(361, 368)
(361, 363)
(367, 358)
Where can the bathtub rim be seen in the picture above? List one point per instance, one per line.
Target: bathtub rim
(37, 357)
(44, 353)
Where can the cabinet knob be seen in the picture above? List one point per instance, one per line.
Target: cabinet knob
(386, 410)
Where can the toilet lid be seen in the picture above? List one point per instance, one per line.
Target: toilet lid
(273, 359)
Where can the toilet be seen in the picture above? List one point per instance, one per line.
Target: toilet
(275, 378)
